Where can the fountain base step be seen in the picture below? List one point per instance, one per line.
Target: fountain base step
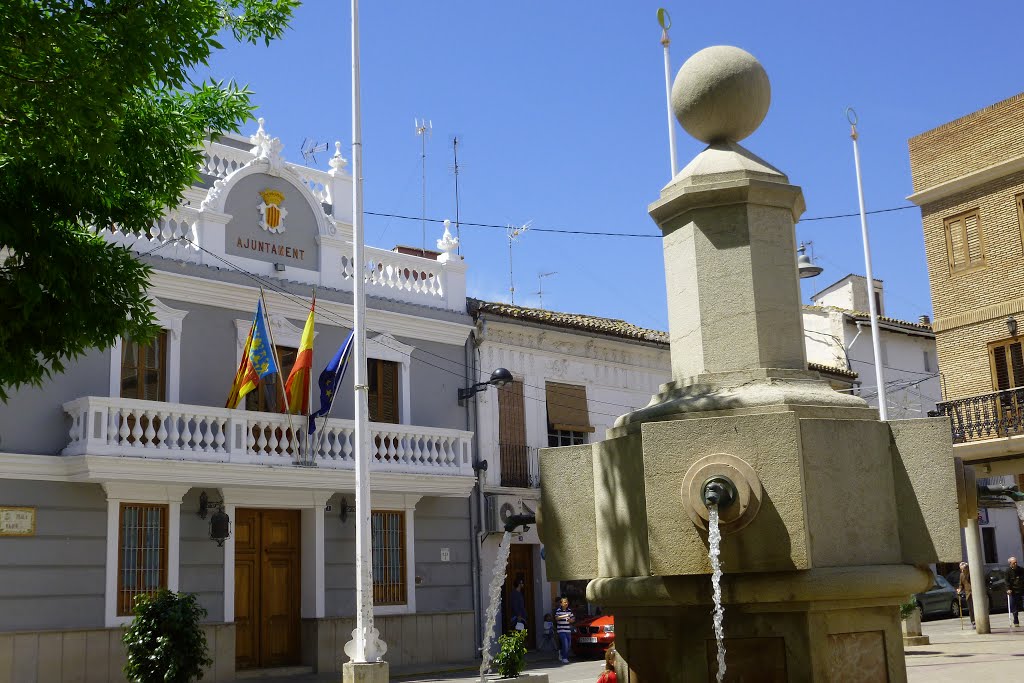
(916, 640)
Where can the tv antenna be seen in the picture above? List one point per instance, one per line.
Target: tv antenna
(309, 149)
(455, 170)
(424, 129)
(540, 287)
(513, 235)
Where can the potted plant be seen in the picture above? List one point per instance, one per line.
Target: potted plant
(165, 642)
(910, 614)
(511, 658)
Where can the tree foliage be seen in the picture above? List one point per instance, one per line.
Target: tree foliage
(165, 643)
(100, 124)
(511, 658)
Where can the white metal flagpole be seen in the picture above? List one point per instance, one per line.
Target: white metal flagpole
(876, 344)
(366, 645)
(666, 22)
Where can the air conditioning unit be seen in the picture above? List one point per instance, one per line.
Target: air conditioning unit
(499, 508)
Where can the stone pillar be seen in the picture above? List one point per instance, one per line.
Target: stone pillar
(979, 592)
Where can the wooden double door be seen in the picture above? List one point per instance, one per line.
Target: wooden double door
(267, 588)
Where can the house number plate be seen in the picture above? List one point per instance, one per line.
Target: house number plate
(17, 521)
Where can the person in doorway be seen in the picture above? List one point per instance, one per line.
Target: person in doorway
(1015, 588)
(963, 591)
(564, 619)
(549, 634)
(519, 605)
(609, 675)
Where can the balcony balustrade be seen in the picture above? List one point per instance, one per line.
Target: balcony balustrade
(996, 415)
(520, 466)
(157, 430)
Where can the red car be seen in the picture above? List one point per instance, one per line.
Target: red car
(593, 636)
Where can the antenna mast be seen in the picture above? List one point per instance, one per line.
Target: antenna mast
(513, 235)
(424, 128)
(458, 232)
(540, 287)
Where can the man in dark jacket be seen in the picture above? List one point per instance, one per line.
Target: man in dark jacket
(1015, 588)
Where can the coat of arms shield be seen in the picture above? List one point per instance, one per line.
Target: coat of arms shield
(272, 214)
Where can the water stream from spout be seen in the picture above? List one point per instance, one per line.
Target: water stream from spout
(494, 599)
(714, 551)
(1020, 509)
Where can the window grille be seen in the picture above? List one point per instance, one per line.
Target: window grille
(142, 553)
(388, 530)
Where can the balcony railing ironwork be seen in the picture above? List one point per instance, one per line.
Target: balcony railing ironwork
(520, 467)
(988, 416)
(153, 429)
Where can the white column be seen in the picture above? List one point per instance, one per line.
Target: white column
(229, 567)
(173, 543)
(313, 600)
(979, 592)
(410, 556)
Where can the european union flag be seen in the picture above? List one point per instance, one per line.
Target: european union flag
(330, 378)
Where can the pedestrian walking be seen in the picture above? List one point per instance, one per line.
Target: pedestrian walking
(964, 590)
(609, 675)
(1014, 589)
(564, 619)
(519, 605)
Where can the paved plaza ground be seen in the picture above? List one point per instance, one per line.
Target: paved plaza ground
(953, 655)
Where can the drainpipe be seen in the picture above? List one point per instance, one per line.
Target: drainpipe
(476, 520)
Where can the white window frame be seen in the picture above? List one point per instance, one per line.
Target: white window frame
(169, 319)
(386, 347)
(152, 494)
(407, 503)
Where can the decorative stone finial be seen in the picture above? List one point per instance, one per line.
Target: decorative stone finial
(338, 162)
(721, 94)
(447, 243)
(266, 147)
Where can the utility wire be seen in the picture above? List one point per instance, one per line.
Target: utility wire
(566, 231)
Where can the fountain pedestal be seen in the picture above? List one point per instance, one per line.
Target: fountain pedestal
(835, 513)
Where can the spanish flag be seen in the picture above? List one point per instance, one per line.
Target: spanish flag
(296, 389)
(257, 360)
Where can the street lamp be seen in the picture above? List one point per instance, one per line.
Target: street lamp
(499, 378)
(804, 263)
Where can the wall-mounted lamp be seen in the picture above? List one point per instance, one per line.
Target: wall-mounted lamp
(480, 466)
(345, 508)
(1011, 325)
(220, 522)
(499, 378)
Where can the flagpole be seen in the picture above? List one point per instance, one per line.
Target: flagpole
(883, 408)
(309, 380)
(666, 22)
(366, 646)
(280, 370)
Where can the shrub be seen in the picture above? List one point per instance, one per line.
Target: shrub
(907, 608)
(164, 642)
(511, 659)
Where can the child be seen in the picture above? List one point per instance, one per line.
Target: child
(549, 633)
(609, 675)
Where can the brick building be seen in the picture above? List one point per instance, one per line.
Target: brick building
(968, 179)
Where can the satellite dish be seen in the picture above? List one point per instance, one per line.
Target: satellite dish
(309, 149)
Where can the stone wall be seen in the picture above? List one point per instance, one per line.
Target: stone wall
(970, 143)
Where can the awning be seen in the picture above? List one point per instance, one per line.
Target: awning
(567, 407)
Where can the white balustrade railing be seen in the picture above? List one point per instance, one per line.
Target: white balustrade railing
(153, 429)
(394, 275)
(220, 161)
(318, 182)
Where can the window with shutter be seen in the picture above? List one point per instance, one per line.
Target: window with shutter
(1007, 365)
(1020, 217)
(512, 436)
(568, 416)
(383, 393)
(144, 369)
(965, 244)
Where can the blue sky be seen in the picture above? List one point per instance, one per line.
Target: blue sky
(560, 112)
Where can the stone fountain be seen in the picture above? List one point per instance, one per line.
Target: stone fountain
(829, 517)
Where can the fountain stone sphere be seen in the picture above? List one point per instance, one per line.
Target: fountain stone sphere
(721, 94)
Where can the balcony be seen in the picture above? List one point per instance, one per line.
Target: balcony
(520, 467)
(170, 431)
(997, 415)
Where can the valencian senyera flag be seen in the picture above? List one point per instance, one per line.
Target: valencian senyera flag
(257, 360)
(296, 389)
(330, 378)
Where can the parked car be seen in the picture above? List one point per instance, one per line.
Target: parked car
(592, 637)
(995, 588)
(939, 600)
